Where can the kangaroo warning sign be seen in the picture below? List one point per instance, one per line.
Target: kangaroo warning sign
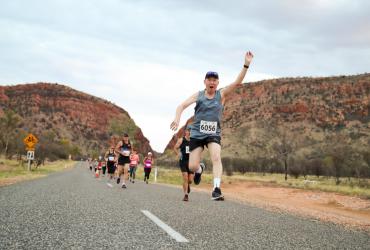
(30, 141)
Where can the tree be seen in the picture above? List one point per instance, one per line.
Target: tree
(339, 154)
(283, 147)
(366, 169)
(227, 165)
(118, 126)
(294, 167)
(17, 146)
(49, 147)
(316, 167)
(8, 125)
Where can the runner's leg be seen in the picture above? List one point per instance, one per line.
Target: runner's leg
(194, 158)
(134, 173)
(185, 182)
(215, 154)
(190, 178)
(125, 174)
(119, 173)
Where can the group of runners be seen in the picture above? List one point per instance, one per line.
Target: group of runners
(204, 131)
(122, 161)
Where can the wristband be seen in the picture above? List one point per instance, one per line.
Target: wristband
(246, 66)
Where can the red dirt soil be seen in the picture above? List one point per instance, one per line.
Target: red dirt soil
(340, 209)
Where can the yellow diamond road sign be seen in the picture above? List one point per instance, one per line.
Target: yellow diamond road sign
(30, 141)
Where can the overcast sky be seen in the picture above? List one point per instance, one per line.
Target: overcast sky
(148, 56)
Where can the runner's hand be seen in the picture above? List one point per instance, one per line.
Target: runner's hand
(174, 125)
(248, 58)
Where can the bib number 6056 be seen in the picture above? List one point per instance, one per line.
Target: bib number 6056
(208, 127)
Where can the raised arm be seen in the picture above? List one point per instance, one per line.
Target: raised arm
(239, 80)
(192, 99)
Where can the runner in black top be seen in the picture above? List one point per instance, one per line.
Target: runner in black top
(123, 150)
(110, 158)
(182, 150)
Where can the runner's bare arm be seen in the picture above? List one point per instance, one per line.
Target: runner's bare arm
(239, 80)
(118, 149)
(177, 146)
(192, 99)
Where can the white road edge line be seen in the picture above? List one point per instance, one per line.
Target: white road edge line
(178, 237)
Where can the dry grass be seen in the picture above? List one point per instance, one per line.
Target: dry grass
(12, 171)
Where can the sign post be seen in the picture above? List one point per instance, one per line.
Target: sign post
(155, 174)
(30, 157)
(30, 142)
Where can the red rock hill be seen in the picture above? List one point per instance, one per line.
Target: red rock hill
(81, 118)
(306, 108)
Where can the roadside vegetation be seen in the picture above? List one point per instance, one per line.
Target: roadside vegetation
(12, 171)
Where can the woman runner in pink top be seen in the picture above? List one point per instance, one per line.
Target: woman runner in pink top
(134, 161)
(148, 164)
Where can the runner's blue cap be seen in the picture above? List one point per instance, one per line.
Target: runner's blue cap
(211, 74)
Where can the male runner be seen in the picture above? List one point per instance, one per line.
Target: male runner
(206, 130)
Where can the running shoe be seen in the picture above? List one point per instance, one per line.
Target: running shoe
(197, 176)
(124, 186)
(118, 180)
(186, 198)
(217, 195)
(146, 181)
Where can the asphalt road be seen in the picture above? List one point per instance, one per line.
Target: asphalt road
(73, 210)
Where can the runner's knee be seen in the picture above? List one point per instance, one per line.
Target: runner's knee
(215, 159)
(193, 166)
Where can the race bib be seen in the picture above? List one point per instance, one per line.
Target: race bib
(126, 152)
(133, 162)
(207, 127)
(187, 149)
(148, 165)
(111, 158)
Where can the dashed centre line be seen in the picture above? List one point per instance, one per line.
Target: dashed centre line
(175, 235)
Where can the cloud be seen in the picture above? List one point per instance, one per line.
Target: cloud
(148, 56)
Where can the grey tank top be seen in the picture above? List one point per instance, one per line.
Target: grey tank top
(207, 117)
